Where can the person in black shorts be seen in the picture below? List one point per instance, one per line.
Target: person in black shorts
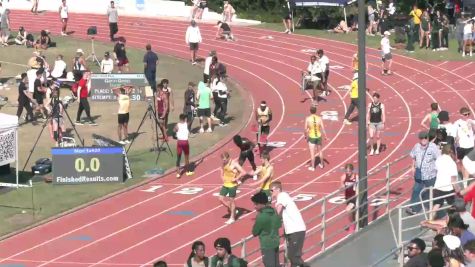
(224, 31)
(39, 94)
(263, 118)
(246, 147)
(121, 55)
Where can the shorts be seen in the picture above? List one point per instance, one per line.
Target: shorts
(461, 152)
(287, 16)
(312, 78)
(387, 56)
(316, 141)
(319, 76)
(39, 99)
(467, 37)
(204, 112)
(228, 191)
(371, 17)
(444, 197)
(376, 126)
(182, 146)
(123, 62)
(123, 118)
(194, 46)
(265, 129)
(160, 117)
(64, 19)
(55, 124)
(351, 199)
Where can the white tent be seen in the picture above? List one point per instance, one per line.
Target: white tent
(9, 143)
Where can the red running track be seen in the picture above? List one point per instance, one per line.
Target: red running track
(160, 220)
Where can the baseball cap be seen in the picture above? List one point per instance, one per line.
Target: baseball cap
(452, 241)
(79, 50)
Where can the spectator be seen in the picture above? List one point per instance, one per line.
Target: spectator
(197, 257)
(204, 98)
(371, 20)
(459, 33)
(446, 179)
(435, 255)
(287, 18)
(228, 12)
(189, 107)
(83, 94)
(206, 71)
(160, 264)
(416, 14)
(453, 251)
(425, 29)
(21, 37)
(193, 39)
(446, 132)
(24, 98)
(424, 155)
(470, 253)
(267, 226)
(79, 64)
(150, 61)
(63, 15)
(467, 37)
(465, 137)
(34, 7)
(107, 64)
(417, 257)
(5, 27)
(294, 225)
(59, 70)
(457, 227)
(222, 98)
(120, 55)
(387, 57)
(113, 17)
(224, 256)
(469, 163)
(458, 209)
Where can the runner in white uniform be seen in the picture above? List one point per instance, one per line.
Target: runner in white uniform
(182, 146)
(63, 14)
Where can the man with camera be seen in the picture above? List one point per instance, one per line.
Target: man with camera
(24, 98)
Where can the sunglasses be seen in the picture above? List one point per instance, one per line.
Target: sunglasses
(466, 114)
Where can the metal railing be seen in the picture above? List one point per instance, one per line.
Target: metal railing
(324, 216)
(409, 226)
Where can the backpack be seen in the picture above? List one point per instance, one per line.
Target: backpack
(74, 89)
(206, 261)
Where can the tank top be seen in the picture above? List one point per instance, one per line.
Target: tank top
(434, 121)
(375, 113)
(182, 133)
(266, 185)
(228, 176)
(314, 131)
(77, 65)
(350, 183)
(263, 116)
(160, 103)
(64, 12)
(355, 64)
(124, 104)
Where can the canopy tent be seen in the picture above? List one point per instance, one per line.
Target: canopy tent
(332, 3)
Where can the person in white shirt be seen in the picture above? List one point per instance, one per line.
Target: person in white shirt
(107, 64)
(63, 15)
(294, 225)
(467, 37)
(113, 17)
(465, 137)
(59, 70)
(208, 60)
(222, 94)
(193, 38)
(183, 146)
(21, 37)
(445, 180)
(325, 66)
(391, 8)
(313, 74)
(387, 57)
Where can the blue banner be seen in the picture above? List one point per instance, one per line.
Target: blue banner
(87, 150)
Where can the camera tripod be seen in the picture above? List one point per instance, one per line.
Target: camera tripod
(93, 56)
(150, 112)
(56, 106)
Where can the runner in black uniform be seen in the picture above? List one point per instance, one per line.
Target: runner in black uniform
(376, 119)
(224, 31)
(246, 147)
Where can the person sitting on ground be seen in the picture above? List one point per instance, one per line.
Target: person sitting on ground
(228, 12)
(224, 31)
(452, 251)
(43, 42)
(59, 70)
(458, 209)
(417, 257)
(342, 27)
(21, 37)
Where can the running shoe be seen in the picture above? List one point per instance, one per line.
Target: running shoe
(178, 175)
(122, 142)
(376, 152)
(254, 177)
(209, 130)
(202, 130)
(189, 173)
(311, 168)
(230, 221)
(78, 123)
(127, 141)
(91, 123)
(347, 122)
(371, 152)
(320, 165)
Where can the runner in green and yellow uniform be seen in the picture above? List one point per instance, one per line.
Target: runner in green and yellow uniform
(231, 173)
(266, 173)
(433, 120)
(313, 133)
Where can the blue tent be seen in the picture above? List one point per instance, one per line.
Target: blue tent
(304, 3)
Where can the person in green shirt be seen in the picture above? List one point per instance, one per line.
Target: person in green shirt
(267, 227)
(204, 97)
(224, 256)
